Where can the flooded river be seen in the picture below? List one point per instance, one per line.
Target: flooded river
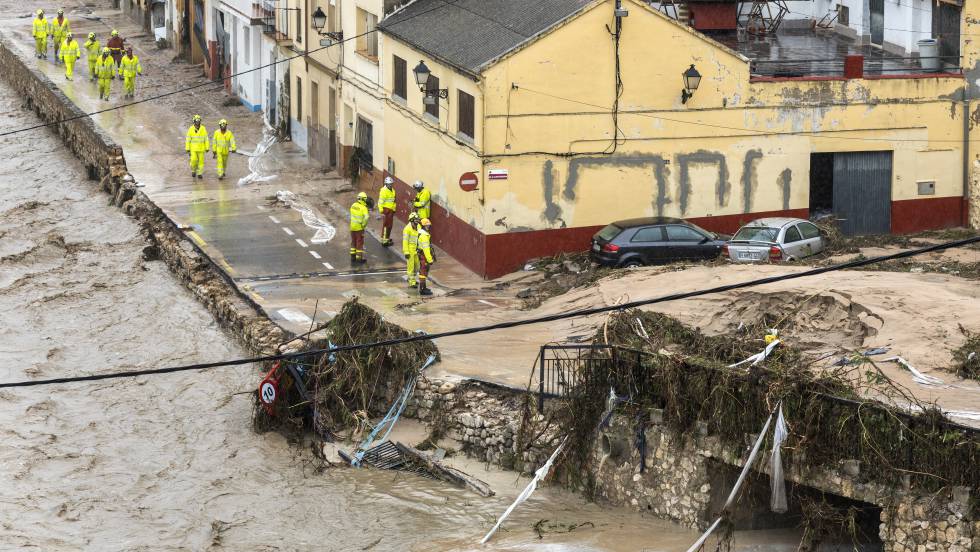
(170, 462)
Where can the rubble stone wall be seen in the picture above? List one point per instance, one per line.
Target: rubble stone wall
(105, 161)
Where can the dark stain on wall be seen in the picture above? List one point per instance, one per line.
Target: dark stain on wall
(552, 211)
(750, 181)
(705, 157)
(660, 173)
(786, 185)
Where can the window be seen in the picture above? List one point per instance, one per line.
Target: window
(653, 234)
(367, 39)
(792, 235)
(399, 74)
(299, 25)
(843, 15)
(365, 140)
(609, 232)
(299, 100)
(433, 108)
(809, 231)
(466, 118)
(332, 23)
(683, 234)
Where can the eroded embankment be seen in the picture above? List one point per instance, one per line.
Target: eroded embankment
(105, 162)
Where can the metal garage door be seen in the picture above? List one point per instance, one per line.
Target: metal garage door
(862, 192)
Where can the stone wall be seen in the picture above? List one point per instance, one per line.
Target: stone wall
(105, 161)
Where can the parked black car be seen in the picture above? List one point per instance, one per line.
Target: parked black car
(657, 240)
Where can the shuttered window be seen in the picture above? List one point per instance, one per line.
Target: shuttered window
(399, 77)
(466, 117)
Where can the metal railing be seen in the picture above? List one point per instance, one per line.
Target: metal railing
(837, 67)
(563, 367)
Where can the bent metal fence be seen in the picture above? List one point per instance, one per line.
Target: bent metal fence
(562, 367)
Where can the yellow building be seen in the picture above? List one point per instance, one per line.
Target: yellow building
(571, 117)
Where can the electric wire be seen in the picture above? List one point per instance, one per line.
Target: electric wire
(857, 263)
(445, 3)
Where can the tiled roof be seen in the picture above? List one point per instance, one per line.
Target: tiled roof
(469, 33)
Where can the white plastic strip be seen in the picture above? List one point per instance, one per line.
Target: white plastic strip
(539, 475)
(256, 164)
(758, 357)
(917, 376)
(777, 484)
(324, 231)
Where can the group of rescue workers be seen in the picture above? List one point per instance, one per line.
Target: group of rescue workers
(197, 145)
(416, 237)
(104, 63)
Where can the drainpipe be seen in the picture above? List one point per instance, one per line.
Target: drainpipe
(966, 157)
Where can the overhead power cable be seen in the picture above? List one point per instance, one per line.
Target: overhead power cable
(512, 323)
(219, 84)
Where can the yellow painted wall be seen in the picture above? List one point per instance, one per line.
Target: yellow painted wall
(564, 96)
(423, 148)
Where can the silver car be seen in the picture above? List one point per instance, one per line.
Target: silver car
(774, 240)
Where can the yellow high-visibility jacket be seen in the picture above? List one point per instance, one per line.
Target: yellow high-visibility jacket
(223, 142)
(422, 199)
(59, 30)
(93, 48)
(386, 199)
(41, 27)
(197, 139)
(130, 66)
(69, 51)
(410, 240)
(105, 68)
(425, 247)
(358, 216)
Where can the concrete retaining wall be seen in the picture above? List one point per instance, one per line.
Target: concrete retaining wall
(105, 161)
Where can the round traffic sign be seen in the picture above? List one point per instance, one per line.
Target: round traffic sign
(268, 392)
(468, 181)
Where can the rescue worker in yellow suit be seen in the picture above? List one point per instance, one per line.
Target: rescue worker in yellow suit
(423, 200)
(69, 52)
(426, 258)
(60, 27)
(129, 67)
(105, 70)
(410, 248)
(40, 31)
(386, 210)
(93, 48)
(358, 222)
(222, 143)
(196, 144)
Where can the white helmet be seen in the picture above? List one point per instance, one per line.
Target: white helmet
(389, 180)
(418, 185)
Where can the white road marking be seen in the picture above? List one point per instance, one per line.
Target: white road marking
(273, 219)
(288, 231)
(261, 208)
(295, 316)
(328, 265)
(301, 243)
(485, 302)
(315, 254)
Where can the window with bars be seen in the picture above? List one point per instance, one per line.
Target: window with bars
(399, 74)
(465, 107)
(432, 108)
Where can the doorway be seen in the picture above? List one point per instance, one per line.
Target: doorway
(853, 187)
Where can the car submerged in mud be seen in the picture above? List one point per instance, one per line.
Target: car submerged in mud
(774, 240)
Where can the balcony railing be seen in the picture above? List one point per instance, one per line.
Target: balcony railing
(855, 67)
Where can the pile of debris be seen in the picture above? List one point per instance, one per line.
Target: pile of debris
(559, 274)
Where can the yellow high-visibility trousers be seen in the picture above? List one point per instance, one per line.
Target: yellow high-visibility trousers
(104, 85)
(129, 84)
(222, 162)
(91, 67)
(69, 68)
(412, 268)
(41, 43)
(197, 162)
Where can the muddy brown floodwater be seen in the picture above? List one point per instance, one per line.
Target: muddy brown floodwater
(170, 462)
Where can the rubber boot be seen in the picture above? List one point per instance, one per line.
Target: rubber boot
(424, 289)
(353, 258)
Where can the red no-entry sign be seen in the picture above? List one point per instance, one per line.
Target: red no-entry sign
(468, 181)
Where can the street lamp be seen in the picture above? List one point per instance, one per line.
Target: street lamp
(319, 22)
(422, 74)
(692, 79)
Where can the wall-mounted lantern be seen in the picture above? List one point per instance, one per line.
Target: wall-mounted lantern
(422, 79)
(692, 79)
(319, 22)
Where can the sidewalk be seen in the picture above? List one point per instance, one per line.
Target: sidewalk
(264, 246)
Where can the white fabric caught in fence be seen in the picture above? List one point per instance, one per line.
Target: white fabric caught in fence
(758, 357)
(777, 501)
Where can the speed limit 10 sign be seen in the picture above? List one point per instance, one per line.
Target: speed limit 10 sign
(268, 393)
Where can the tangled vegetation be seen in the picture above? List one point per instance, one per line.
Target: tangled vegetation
(344, 389)
(684, 373)
(966, 359)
